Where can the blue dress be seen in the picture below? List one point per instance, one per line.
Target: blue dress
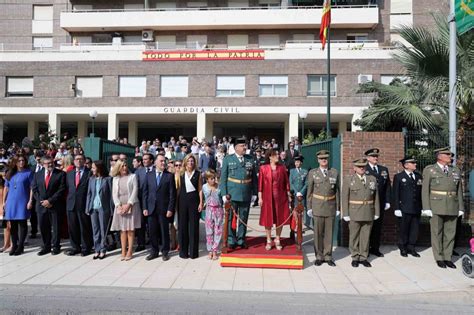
(18, 195)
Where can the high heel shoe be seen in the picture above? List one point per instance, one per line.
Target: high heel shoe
(127, 258)
(269, 245)
(277, 244)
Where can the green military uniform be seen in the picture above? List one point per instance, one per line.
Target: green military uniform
(323, 198)
(360, 202)
(239, 180)
(442, 194)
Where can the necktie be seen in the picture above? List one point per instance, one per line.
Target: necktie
(375, 169)
(412, 177)
(363, 180)
(38, 168)
(46, 180)
(445, 169)
(298, 170)
(241, 159)
(325, 173)
(78, 178)
(158, 179)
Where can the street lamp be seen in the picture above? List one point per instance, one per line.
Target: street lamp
(303, 116)
(93, 115)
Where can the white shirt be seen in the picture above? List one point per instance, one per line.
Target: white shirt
(408, 173)
(442, 166)
(362, 178)
(372, 167)
(324, 169)
(187, 181)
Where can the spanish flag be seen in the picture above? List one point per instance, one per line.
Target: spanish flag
(325, 22)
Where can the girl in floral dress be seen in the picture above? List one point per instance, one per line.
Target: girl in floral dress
(214, 214)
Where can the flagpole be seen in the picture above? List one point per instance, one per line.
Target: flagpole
(328, 109)
(452, 79)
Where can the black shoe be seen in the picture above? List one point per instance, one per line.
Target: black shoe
(413, 253)
(403, 253)
(165, 257)
(152, 256)
(331, 263)
(44, 252)
(85, 253)
(102, 256)
(355, 263)
(244, 246)
(140, 248)
(376, 253)
(365, 263)
(455, 253)
(55, 251)
(233, 246)
(72, 252)
(441, 264)
(318, 262)
(449, 264)
(12, 251)
(18, 251)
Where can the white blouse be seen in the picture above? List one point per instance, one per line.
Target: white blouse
(187, 181)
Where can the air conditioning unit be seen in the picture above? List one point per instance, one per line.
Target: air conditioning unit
(364, 78)
(147, 36)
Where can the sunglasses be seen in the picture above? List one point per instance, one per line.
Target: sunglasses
(177, 165)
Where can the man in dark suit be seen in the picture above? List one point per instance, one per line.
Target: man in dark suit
(407, 204)
(159, 195)
(384, 188)
(207, 160)
(34, 211)
(48, 188)
(79, 223)
(141, 173)
(291, 153)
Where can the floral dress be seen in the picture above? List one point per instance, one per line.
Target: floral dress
(214, 218)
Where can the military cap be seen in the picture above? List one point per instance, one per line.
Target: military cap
(360, 162)
(299, 158)
(408, 159)
(372, 152)
(258, 150)
(445, 150)
(241, 140)
(322, 154)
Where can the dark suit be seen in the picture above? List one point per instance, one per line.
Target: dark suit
(79, 223)
(407, 199)
(206, 162)
(291, 158)
(141, 178)
(384, 189)
(49, 217)
(159, 199)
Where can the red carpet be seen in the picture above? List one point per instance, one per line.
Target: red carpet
(257, 257)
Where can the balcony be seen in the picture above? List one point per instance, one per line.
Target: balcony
(213, 18)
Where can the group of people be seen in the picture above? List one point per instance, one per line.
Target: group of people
(165, 194)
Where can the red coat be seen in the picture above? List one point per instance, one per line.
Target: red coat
(265, 183)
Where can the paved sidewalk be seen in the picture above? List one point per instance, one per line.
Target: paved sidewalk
(392, 274)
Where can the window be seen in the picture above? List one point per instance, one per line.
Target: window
(237, 41)
(401, 6)
(269, 41)
(196, 41)
(269, 3)
(273, 85)
(318, 84)
(134, 6)
(166, 5)
(303, 37)
(42, 19)
(165, 41)
(132, 86)
(88, 86)
(19, 86)
(197, 4)
(238, 3)
(41, 43)
(174, 86)
(82, 7)
(230, 86)
(357, 38)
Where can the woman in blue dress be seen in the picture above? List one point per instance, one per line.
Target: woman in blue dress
(18, 201)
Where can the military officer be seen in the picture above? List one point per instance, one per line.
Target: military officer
(239, 180)
(259, 159)
(407, 204)
(380, 172)
(323, 200)
(442, 199)
(360, 206)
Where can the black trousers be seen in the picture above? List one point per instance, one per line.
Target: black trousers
(80, 230)
(188, 225)
(408, 231)
(19, 229)
(49, 220)
(141, 232)
(159, 232)
(34, 219)
(376, 232)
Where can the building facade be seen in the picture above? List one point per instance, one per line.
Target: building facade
(155, 68)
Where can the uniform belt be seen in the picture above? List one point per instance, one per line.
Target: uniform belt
(325, 198)
(444, 193)
(357, 202)
(239, 181)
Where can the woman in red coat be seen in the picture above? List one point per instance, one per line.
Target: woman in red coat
(273, 192)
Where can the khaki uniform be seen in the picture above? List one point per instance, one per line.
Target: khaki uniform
(361, 203)
(442, 194)
(322, 197)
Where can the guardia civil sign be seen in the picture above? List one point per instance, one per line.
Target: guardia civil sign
(464, 15)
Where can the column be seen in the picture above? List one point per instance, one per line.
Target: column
(356, 116)
(291, 128)
(54, 124)
(341, 127)
(132, 132)
(112, 126)
(2, 125)
(82, 129)
(209, 128)
(201, 126)
(32, 129)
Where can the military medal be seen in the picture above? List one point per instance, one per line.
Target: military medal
(404, 180)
